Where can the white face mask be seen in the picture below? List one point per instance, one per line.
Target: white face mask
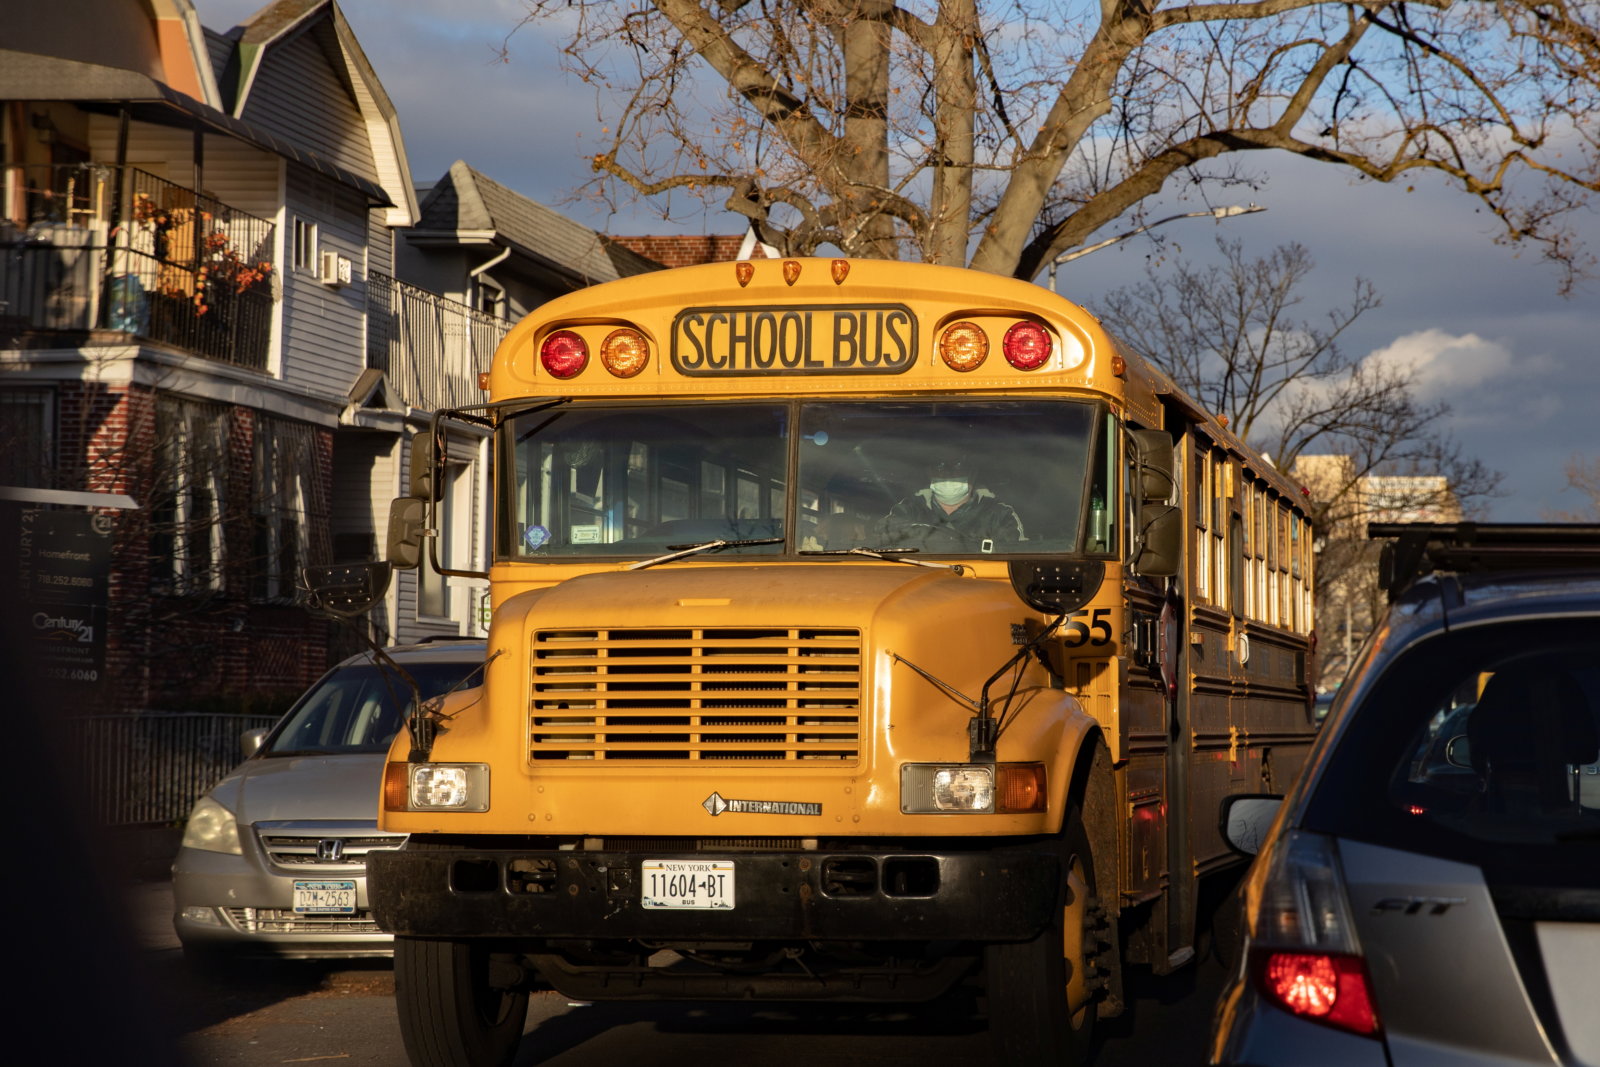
(951, 492)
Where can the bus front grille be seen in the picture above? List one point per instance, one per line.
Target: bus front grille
(743, 694)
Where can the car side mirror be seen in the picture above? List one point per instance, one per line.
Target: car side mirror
(250, 741)
(1246, 818)
(1458, 753)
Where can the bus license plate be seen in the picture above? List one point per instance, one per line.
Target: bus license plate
(705, 885)
(336, 897)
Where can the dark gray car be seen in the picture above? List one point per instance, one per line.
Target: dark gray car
(273, 861)
(1429, 891)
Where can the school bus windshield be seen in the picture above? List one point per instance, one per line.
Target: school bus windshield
(952, 477)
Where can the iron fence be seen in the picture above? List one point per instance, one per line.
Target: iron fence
(432, 348)
(150, 768)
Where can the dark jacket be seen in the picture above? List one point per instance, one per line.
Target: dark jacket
(918, 522)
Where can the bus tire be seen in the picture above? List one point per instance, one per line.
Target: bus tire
(450, 1016)
(1042, 993)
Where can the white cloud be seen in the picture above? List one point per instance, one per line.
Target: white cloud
(1446, 365)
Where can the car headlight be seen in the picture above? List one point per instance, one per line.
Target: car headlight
(212, 828)
(436, 787)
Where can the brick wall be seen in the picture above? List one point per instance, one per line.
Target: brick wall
(687, 250)
(178, 652)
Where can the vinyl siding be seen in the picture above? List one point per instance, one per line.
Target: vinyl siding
(302, 93)
(324, 338)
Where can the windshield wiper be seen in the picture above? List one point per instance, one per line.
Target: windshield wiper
(680, 551)
(891, 555)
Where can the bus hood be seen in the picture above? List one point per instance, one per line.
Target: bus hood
(808, 594)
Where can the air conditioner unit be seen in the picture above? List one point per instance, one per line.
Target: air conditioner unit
(334, 269)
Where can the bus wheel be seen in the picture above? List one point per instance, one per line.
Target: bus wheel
(1042, 993)
(450, 1015)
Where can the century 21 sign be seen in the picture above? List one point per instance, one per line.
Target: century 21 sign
(802, 339)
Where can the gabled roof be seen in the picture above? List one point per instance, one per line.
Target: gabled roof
(465, 203)
(109, 89)
(283, 19)
(158, 40)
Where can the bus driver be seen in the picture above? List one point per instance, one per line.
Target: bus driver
(951, 515)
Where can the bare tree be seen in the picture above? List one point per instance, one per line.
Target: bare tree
(1583, 478)
(1233, 335)
(1001, 134)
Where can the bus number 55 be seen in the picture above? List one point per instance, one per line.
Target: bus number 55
(1096, 632)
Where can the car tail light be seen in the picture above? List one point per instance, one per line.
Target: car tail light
(1320, 986)
(1027, 345)
(564, 354)
(1303, 946)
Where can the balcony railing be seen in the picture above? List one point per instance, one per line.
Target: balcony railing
(171, 266)
(432, 349)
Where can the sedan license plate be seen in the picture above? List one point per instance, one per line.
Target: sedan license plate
(704, 885)
(336, 897)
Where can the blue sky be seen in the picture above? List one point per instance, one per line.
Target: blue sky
(1482, 324)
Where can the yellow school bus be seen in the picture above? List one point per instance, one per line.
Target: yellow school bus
(861, 631)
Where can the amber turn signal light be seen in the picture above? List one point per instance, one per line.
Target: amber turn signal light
(1020, 787)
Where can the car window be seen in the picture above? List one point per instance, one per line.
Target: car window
(1481, 746)
(359, 708)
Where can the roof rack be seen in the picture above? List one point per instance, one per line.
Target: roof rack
(1420, 548)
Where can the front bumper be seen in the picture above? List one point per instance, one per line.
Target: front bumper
(534, 896)
(227, 904)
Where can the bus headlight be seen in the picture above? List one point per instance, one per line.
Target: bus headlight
(946, 788)
(972, 788)
(436, 787)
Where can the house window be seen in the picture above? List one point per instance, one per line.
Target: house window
(189, 502)
(27, 437)
(489, 298)
(282, 493)
(305, 245)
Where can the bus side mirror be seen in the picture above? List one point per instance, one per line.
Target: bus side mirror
(408, 517)
(1157, 461)
(423, 483)
(1159, 550)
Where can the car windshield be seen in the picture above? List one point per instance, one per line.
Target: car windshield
(359, 708)
(954, 477)
(1486, 745)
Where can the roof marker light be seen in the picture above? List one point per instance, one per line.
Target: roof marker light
(963, 346)
(625, 352)
(744, 270)
(791, 271)
(841, 270)
(563, 354)
(1027, 345)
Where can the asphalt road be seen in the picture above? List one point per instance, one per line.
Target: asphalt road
(342, 1014)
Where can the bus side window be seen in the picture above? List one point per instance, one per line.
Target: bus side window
(1102, 532)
